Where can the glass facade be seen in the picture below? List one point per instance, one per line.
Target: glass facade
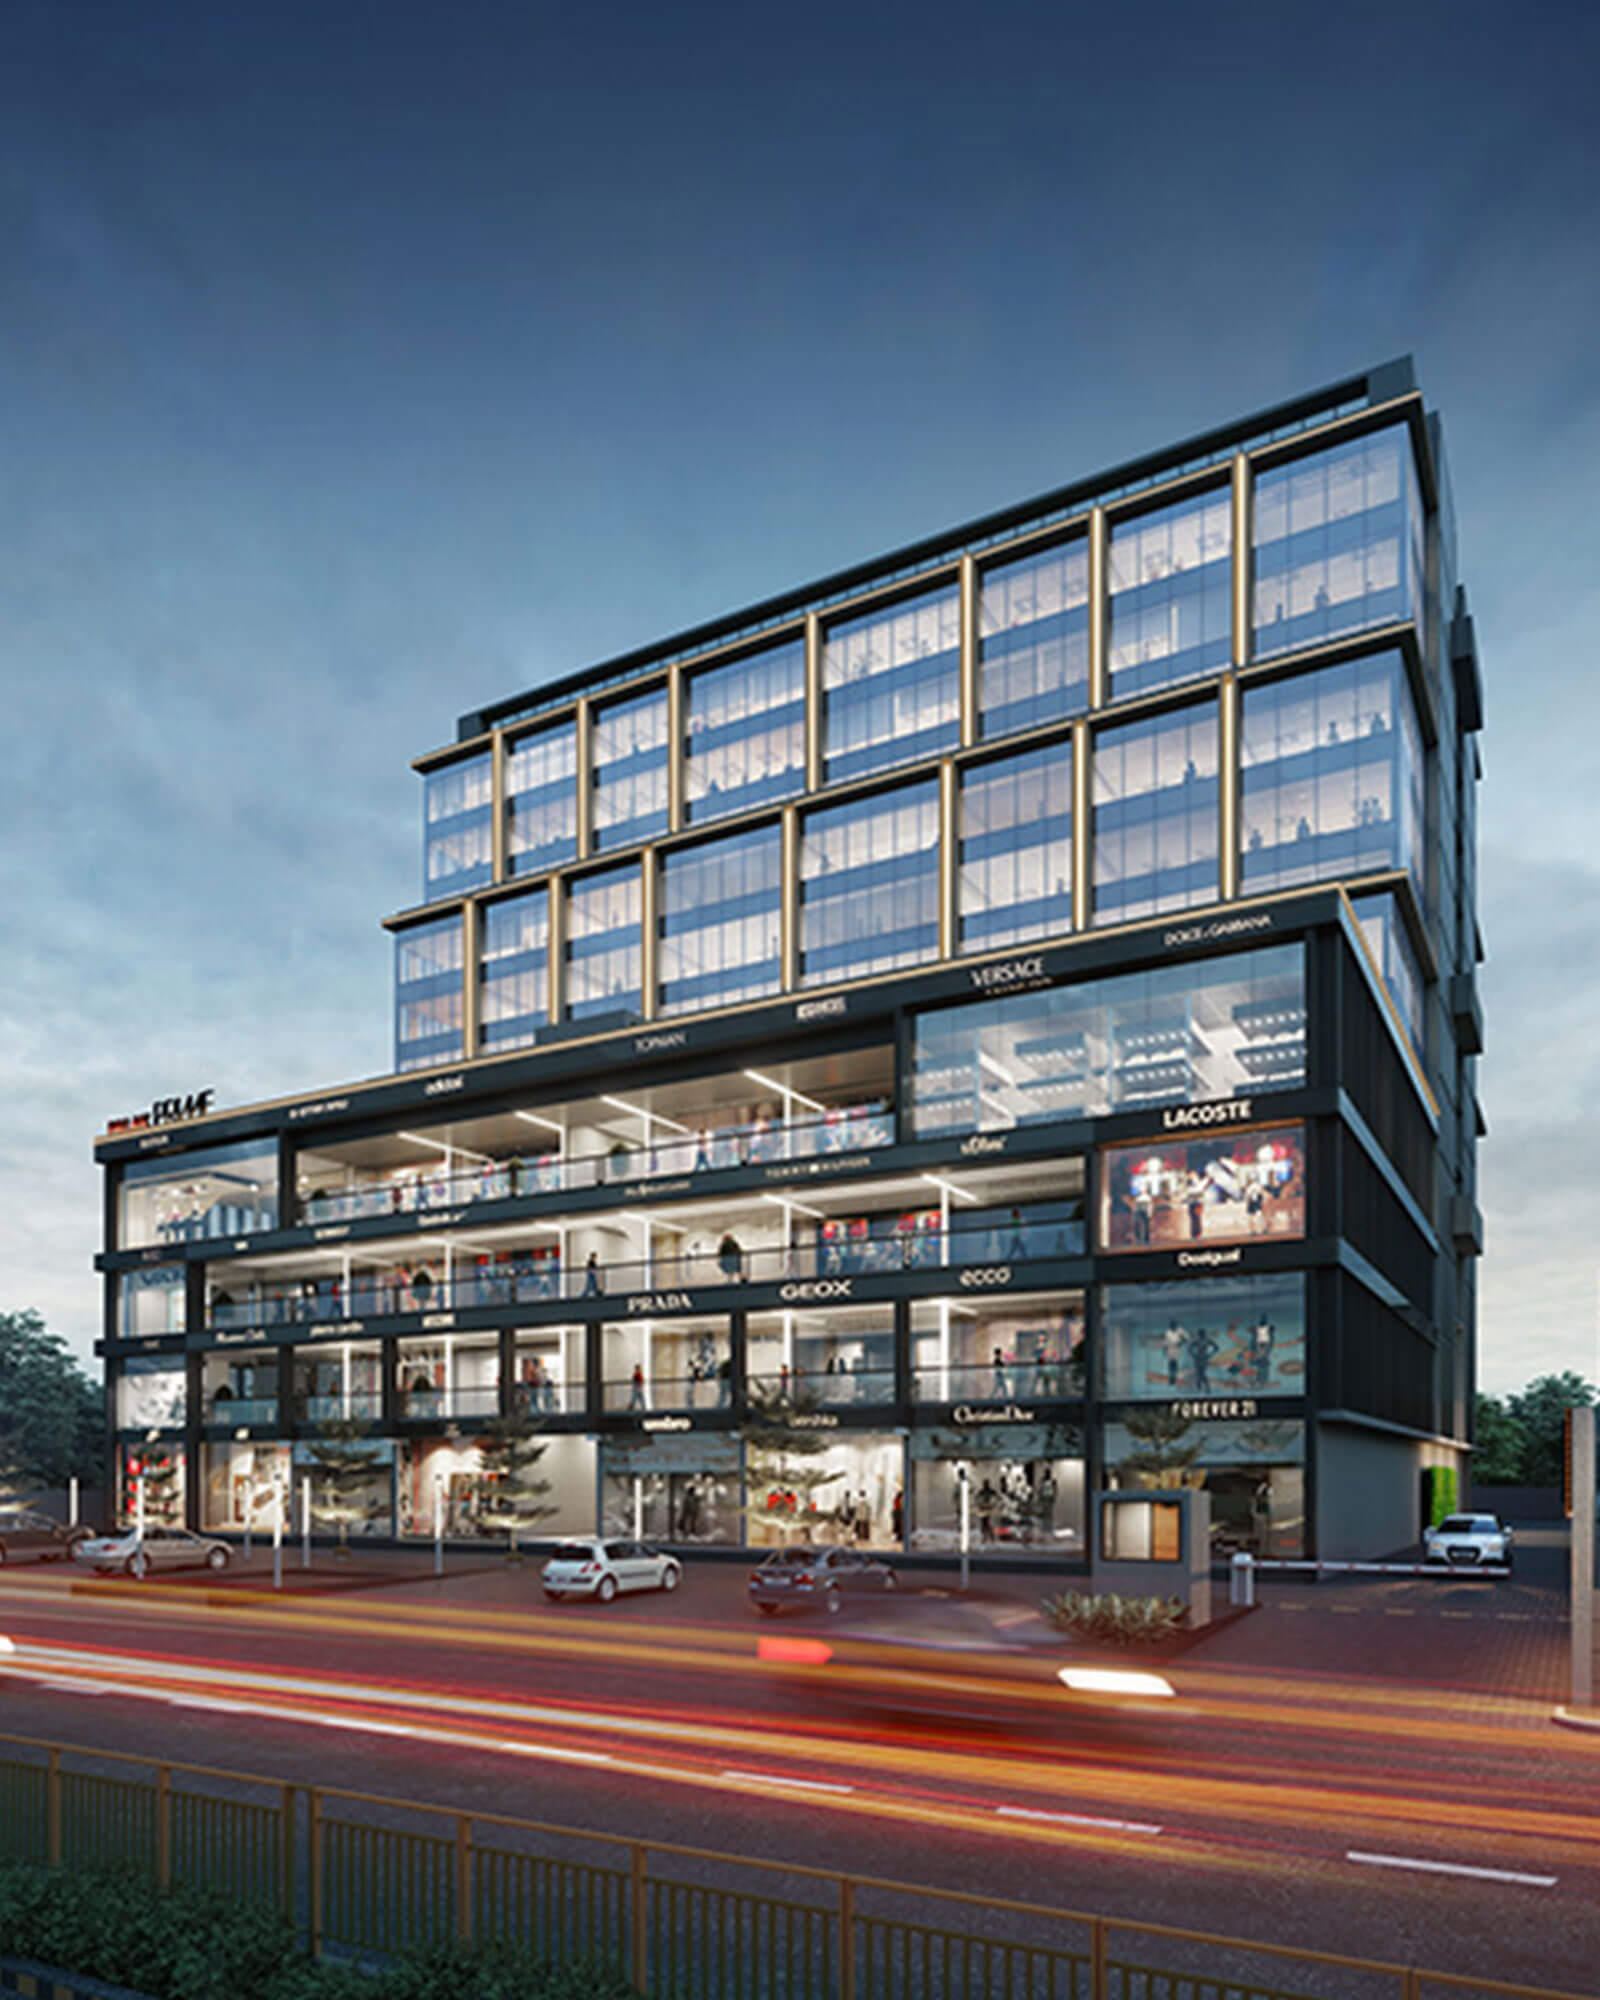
(1015, 853)
(833, 1358)
(1033, 640)
(720, 919)
(1338, 543)
(1252, 1469)
(1385, 931)
(745, 733)
(152, 1301)
(1010, 1350)
(1236, 1336)
(1170, 581)
(151, 1394)
(604, 915)
(427, 994)
(1332, 776)
(214, 1191)
(891, 686)
(1180, 1034)
(869, 885)
(542, 799)
(630, 770)
(458, 830)
(1156, 816)
(1024, 1484)
(514, 975)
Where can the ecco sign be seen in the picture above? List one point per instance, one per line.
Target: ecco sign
(984, 1277)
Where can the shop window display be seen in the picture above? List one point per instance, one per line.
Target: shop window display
(822, 1487)
(240, 1388)
(1170, 1195)
(217, 1191)
(152, 1301)
(834, 1358)
(1253, 1470)
(243, 1487)
(672, 1489)
(351, 1482)
(1025, 1489)
(1239, 1336)
(154, 1485)
(673, 1365)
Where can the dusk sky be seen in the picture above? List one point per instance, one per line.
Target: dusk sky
(362, 364)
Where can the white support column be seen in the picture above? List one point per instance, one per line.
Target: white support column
(1583, 1497)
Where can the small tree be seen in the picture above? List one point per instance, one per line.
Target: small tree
(781, 1454)
(52, 1419)
(1161, 1454)
(163, 1504)
(1502, 1444)
(1541, 1409)
(343, 1461)
(512, 1495)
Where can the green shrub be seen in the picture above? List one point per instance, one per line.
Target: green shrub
(191, 1944)
(1117, 1621)
(1440, 1493)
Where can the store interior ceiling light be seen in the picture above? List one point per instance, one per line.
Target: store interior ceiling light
(783, 1090)
(638, 1111)
(782, 1201)
(949, 1187)
(532, 1118)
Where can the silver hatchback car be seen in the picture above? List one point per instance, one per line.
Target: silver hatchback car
(604, 1568)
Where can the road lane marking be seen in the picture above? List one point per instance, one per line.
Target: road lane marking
(789, 1784)
(1453, 1868)
(1076, 1819)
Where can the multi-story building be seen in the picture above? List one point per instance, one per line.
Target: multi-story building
(1004, 1013)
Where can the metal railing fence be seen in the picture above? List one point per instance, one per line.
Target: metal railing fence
(358, 1874)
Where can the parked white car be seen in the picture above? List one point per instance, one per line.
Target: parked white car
(156, 1548)
(602, 1569)
(1468, 1541)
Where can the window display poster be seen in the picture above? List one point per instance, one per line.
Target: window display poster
(1197, 1337)
(1176, 1194)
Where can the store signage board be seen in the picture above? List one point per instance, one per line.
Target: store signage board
(1209, 1407)
(165, 1111)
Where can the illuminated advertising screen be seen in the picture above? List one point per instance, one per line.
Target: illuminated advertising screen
(1184, 1194)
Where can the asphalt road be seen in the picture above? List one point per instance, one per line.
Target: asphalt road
(1379, 1721)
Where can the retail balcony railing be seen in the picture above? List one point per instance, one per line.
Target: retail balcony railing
(421, 1403)
(1014, 1378)
(525, 1280)
(362, 1406)
(703, 1391)
(708, 1150)
(801, 1388)
(226, 1408)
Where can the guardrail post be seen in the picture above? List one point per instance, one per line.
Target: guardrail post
(1099, 1976)
(847, 1938)
(314, 1804)
(1411, 1984)
(52, 1814)
(463, 1877)
(163, 1827)
(286, 1852)
(637, 1932)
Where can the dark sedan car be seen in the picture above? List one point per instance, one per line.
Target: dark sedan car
(805, 1577)
(29, 1536)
